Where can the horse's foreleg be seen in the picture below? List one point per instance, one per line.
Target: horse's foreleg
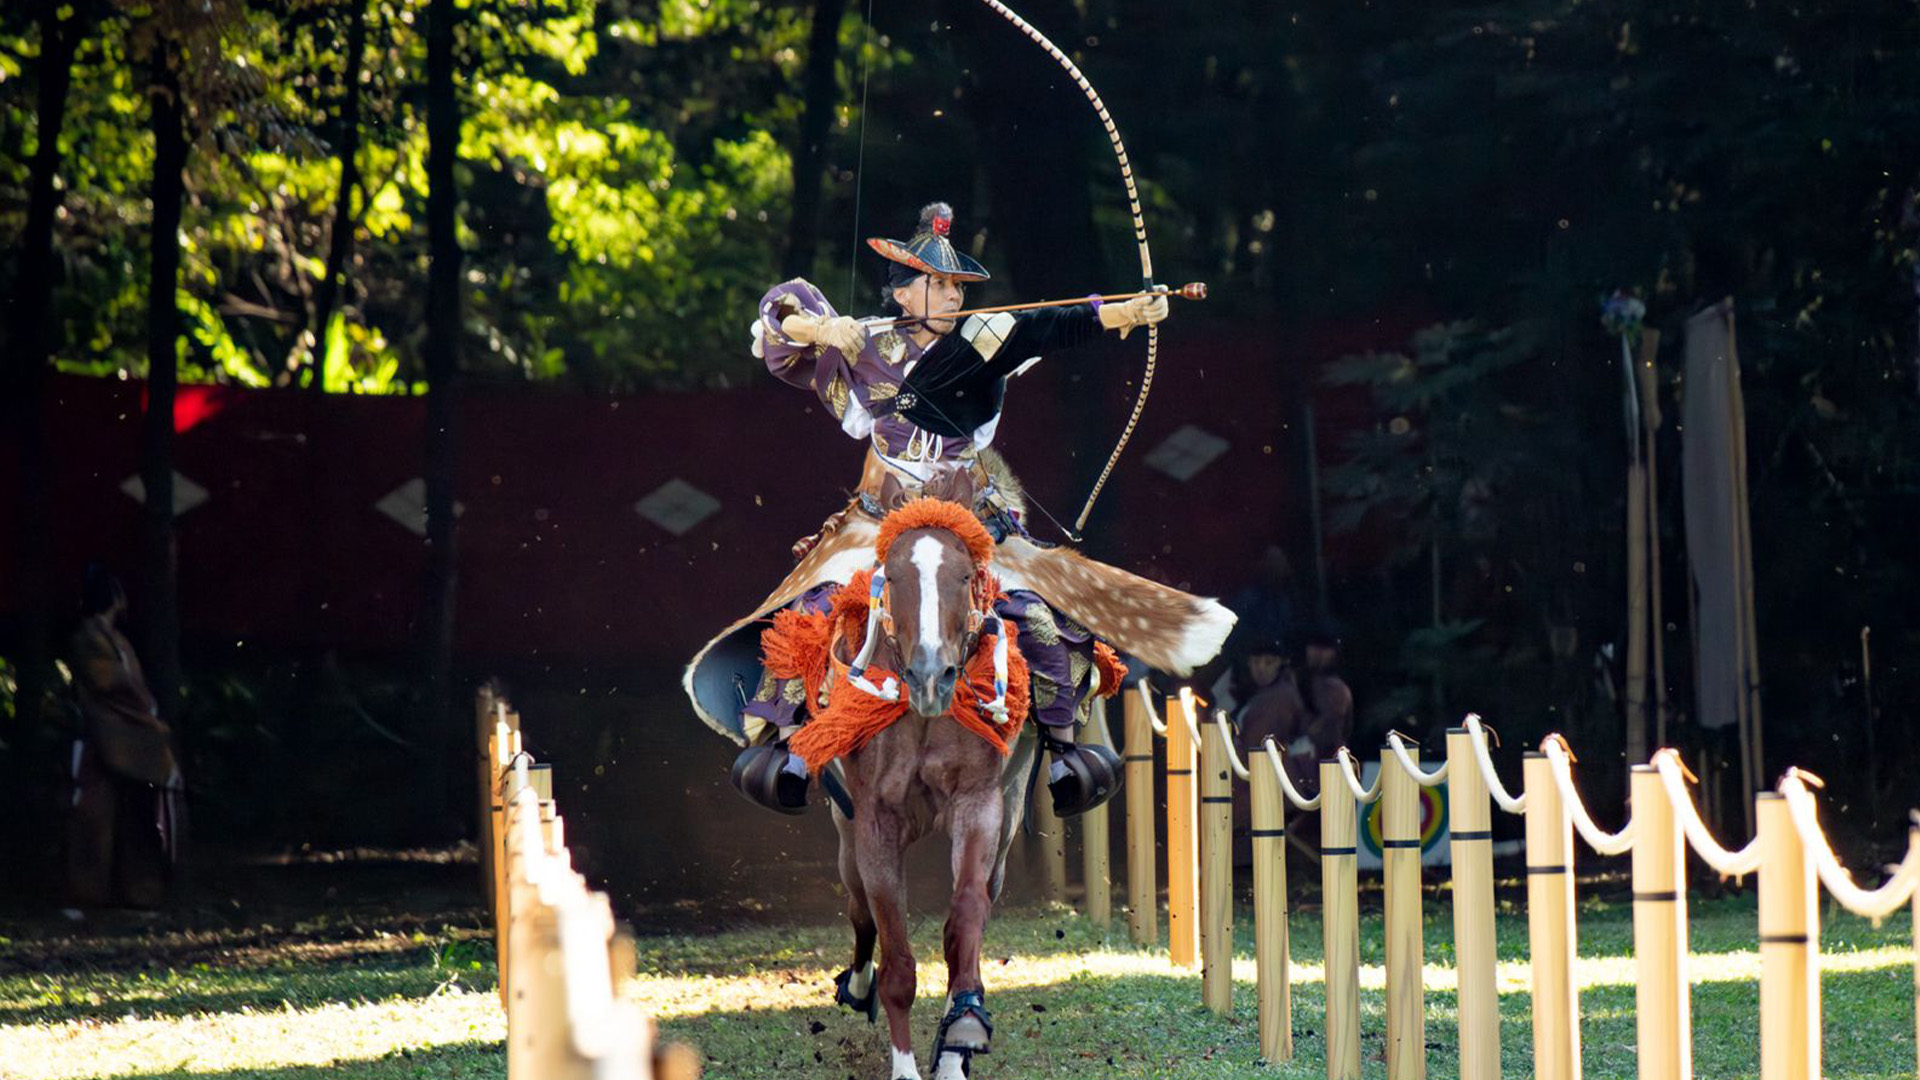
(882, 841)
(854, 986)
(974, 822)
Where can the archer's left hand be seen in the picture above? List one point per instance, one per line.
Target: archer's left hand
(1139, 311)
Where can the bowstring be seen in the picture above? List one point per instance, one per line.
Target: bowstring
(859, 165)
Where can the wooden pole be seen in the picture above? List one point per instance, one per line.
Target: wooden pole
(1789, 948)
(1550, 929)
(1743, 532)
(1661, 1002)
(483, 753)
(1143, 865)
(1216, 873)
(508, 780)
(1400, 870)
(1649, 373)
(1916, 963)
(1183, 836)
(1470, 822)
(1340, 898)
(1095, 843)
(1051, 833)
(1636, 688)
(1275, 994)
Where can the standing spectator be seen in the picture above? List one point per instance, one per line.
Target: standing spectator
(122, 832)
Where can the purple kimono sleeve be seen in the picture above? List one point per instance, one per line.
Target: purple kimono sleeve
(789, 361)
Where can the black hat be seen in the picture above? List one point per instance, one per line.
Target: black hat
(930, 252)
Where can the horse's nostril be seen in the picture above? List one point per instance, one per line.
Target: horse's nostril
(948, 678)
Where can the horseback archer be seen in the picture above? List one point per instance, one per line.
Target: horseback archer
(922, 385)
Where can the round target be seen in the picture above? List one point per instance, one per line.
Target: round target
(1433, 822)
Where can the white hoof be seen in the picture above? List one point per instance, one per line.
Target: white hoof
(904, 1067)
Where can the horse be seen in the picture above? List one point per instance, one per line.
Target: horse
(927, 771)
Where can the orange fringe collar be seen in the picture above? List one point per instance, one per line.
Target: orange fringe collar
(807, 646)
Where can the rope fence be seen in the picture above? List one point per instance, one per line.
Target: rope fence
(1790, 855)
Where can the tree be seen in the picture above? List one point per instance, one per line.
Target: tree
(443, 367)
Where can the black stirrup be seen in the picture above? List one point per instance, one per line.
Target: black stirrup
(760, 774)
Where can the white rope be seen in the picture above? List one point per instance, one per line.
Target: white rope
(1286, 781)
(1193, 726)
(1873, 904)
(1365, 795)
(1727, 863)
(1424, 779)
(1598, 839)
(1478, 736)
(1153, 715)
(1233, 756)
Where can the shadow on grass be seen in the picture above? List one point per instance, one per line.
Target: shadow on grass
(467, 1060)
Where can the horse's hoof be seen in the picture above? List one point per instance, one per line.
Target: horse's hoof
(967, 1033)
(870, 1004)
(967, 1028)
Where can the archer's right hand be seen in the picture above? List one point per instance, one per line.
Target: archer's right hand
(840, 332)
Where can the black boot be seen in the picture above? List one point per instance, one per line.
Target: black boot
(760, 773)
(1089, 775)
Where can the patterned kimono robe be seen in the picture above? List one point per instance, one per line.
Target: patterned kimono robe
(924, 412)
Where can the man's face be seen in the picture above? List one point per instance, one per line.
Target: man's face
(929, 296)
(1320, 656)
(1264, 668)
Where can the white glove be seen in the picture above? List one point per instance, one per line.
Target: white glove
(840, 332)
(1139, 311)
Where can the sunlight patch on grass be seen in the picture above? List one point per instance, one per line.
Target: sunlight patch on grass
(249, 1038)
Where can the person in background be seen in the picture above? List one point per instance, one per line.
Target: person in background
(124, 819)
(1308, 712)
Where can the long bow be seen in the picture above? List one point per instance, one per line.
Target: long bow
(1139, 235)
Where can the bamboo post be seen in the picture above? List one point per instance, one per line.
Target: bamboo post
(1916, 966)
(1789, 948)
(1143, 887)
(1340, 888)
(1051, 833)
(1649, 372)
(510, 782)
(1183, 835)
(1470, 820)
(1096, 851)
(1275, 995)
(483, 757)
(1400, 870)
(1550, 928)
(1636, 688)
(1661, 1002)
(1216, 876)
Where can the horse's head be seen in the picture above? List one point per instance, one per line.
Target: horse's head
(934, 553)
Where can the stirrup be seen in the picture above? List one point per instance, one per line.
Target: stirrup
(760, 774)
(965, 1003)
(869, 1004)
(1093, 775)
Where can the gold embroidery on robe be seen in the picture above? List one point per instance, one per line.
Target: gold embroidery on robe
(837, 396)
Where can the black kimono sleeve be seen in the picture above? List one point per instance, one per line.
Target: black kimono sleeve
(1042, 331)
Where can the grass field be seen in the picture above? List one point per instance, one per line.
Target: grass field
(413, 996)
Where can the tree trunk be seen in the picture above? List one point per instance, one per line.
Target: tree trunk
(809, 157)
(162, 619)
(340, 240)
(25, 371)
(443, 330)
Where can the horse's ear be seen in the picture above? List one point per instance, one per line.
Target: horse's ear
(956, 486)
(892, 494)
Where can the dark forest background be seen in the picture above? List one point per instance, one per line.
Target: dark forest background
(428, 196)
